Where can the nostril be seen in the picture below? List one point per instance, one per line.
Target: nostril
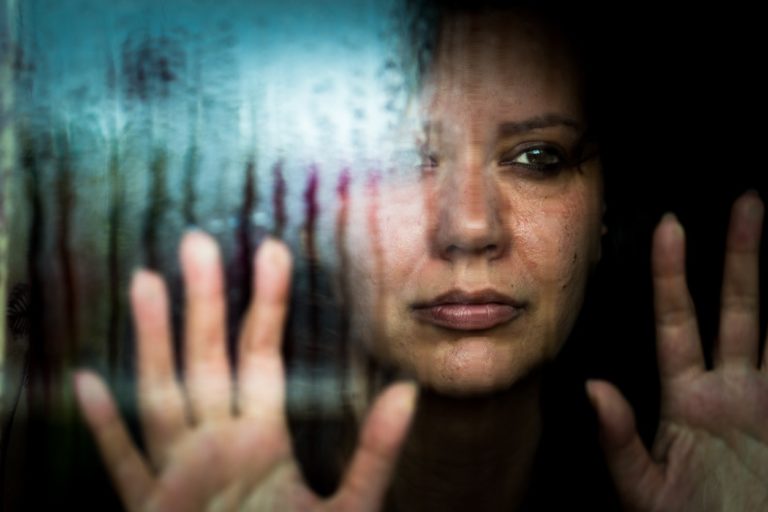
(489, 250)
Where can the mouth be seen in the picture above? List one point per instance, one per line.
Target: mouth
(468, 311)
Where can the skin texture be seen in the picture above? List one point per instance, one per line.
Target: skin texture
(471, 217)
(475, 217)
(711, 447)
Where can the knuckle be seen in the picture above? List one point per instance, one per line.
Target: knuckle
(676, 313)
(739, 302)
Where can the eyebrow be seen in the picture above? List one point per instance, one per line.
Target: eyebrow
(544, 121)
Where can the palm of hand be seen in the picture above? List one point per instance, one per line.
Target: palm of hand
(711, 447)
(217, 465)
(215, 442)
(713, 439)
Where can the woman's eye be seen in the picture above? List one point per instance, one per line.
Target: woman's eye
(539, 158)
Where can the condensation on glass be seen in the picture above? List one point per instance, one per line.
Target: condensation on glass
(126, 123)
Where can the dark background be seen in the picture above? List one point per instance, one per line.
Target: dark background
(683, 112)
(681, 105)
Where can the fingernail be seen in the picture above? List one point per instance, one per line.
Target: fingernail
(670, 217)
(140, 280)
(204, 246)
(87, 387)
(753, 209)
(147, 287)
(271, 252)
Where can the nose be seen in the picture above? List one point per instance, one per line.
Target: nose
(470, 216)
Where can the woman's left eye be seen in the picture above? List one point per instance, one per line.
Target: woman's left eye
(538, 158)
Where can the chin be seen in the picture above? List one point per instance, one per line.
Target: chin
(474, 367)
(473, 383)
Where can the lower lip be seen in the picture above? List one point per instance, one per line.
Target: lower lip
(468, 317)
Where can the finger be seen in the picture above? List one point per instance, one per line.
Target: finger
(127, 468)
(739, 332)
(161, 403)
(635, 474)
(261, 378)
(206, 367)
(369, 473)
(677, 333)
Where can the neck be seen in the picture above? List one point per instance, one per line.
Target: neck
(470, 453)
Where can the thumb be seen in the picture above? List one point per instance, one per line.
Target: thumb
(637, 477)
(381, 438)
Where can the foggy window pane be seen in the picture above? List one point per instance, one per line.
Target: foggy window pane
(136, 121)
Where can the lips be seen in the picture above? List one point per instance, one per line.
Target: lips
(468, 311)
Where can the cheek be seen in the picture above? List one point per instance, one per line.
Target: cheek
(557, 248)
(386, 249)
(548, 244)
(386, 246)
(388, 241)
(403, 226)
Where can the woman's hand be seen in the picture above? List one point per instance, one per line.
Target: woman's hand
(711, 447)
(215, 442)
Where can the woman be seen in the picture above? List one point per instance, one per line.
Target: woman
(471, 276)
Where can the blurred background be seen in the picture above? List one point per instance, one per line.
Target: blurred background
(124, 123)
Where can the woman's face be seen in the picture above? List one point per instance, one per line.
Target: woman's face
(471, 273)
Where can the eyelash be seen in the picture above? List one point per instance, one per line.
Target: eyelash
(544, 169)
(431, 161)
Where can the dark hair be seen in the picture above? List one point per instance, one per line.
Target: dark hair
(575, 23)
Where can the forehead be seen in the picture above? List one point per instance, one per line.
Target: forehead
(502, 66)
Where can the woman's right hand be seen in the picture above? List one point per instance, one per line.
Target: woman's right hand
(216, 441)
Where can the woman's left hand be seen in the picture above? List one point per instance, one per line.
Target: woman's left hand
(711, 447)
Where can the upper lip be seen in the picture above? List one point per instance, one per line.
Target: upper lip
(457, 296)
